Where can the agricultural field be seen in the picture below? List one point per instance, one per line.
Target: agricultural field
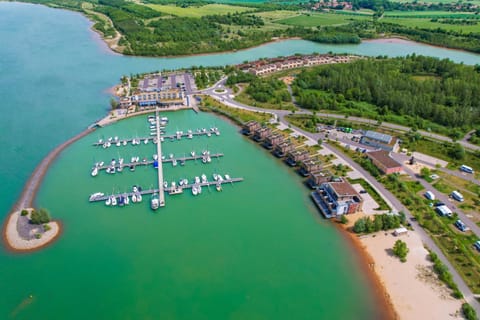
(197, 12)
(427, 24)
(321, 19)
(429, 14)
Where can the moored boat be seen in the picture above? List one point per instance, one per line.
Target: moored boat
(154, 202)
(96, 195)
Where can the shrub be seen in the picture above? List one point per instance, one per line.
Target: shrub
(343, 219)
(400, 249)
(469, 312)
(24, 212)
(38, 235)
(46, 227)
(39, 216)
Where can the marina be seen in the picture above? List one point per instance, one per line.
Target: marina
(157, 126)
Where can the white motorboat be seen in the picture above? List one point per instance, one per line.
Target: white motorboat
(139, 197)
(155, 156)
(100, 141)
(96, 195)
(165, 119)
(101, 163)
(204, 178)
(120, 168)
(124, 142)
(209, 159)
(127, 199)
(115, 138)
(197, 180)
(134, 198)
(137, 159)
(108, 202)
(113, 162)
(145, 141)
(209, 134)
(165, 184)
(161, 139)
(192, 153)
(114, 201)
(220, 178)
(217, 133)
(132, 159)
(120, 161)
(154, 202)
(135, 189)
(199, 189)
(170, 155)
(174, 162)
(218, 187)
(94, 171)
(185, 182)
(173, 184)
(118, 144)
(110, 139)
(194, 190)
(227, 177)
(204, 159)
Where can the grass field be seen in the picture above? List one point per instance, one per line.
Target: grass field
(440, 1)
(197, 12)
(321, 19)
(428, 14)
(427, 24)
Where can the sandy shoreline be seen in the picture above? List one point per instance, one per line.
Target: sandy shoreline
(410, 289)
(14, 242)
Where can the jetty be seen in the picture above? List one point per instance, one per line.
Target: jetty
(162, 190)
(156, 137)
(160, 164)
(145, 162)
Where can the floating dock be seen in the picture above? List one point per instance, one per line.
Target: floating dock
(169, 189)
(160, 164)
(157, 137)
(126, 165)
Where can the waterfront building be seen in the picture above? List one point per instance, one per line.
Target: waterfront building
(295, 156)
(317, 178)
(161, 98)
(309, 166)
(272, 140)
(267, 66)
(282, 149)
(337, 198)
(262, 133)
(382, 160)
(379, 140)
(250, 127)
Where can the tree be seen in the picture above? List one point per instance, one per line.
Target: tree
(425, 172)
(39, 216)
(359, 226)
(113, 103)
(400, 250)
(457, 152)
(343, 219)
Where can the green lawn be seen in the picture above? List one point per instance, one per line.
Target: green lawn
(197, 12)
(321, 19)
(427, 24)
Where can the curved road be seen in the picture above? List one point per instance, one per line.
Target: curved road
(225, 98)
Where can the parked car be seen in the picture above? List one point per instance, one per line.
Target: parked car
(460, 225)
(477, 245)
(429, 195)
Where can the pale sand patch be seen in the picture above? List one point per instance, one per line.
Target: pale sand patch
(414, 289)
(16, 242)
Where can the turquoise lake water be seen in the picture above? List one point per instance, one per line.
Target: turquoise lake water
(257, 250)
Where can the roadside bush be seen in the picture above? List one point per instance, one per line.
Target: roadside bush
(469, 312)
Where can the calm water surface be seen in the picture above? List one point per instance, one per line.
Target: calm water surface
(258, 249)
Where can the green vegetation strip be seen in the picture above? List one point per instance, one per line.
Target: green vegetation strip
(372, 192)
(239, 116)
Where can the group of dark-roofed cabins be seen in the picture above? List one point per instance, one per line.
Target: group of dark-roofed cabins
(333, 195)
(282, 148)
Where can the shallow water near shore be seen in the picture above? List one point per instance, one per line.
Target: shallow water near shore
(257, 249)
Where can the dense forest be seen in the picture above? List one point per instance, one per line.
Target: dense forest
(437, 90)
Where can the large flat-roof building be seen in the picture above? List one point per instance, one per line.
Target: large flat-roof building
(337, 198)
(379, 140)
(166, 97)
(382, 160)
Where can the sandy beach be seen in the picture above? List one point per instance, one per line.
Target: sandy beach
(16, 242)
(413, 288)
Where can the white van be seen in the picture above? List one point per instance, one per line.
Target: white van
(466, 169)
(429, 195)
(457, 196)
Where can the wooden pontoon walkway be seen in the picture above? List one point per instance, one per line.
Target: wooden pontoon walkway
(168, 189)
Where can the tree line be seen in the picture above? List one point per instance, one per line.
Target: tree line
(437, 90)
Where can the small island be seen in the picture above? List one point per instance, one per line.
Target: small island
(30, 229)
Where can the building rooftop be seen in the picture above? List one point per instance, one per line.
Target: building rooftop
(343, 188)
(385, 138)
(383, 157)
